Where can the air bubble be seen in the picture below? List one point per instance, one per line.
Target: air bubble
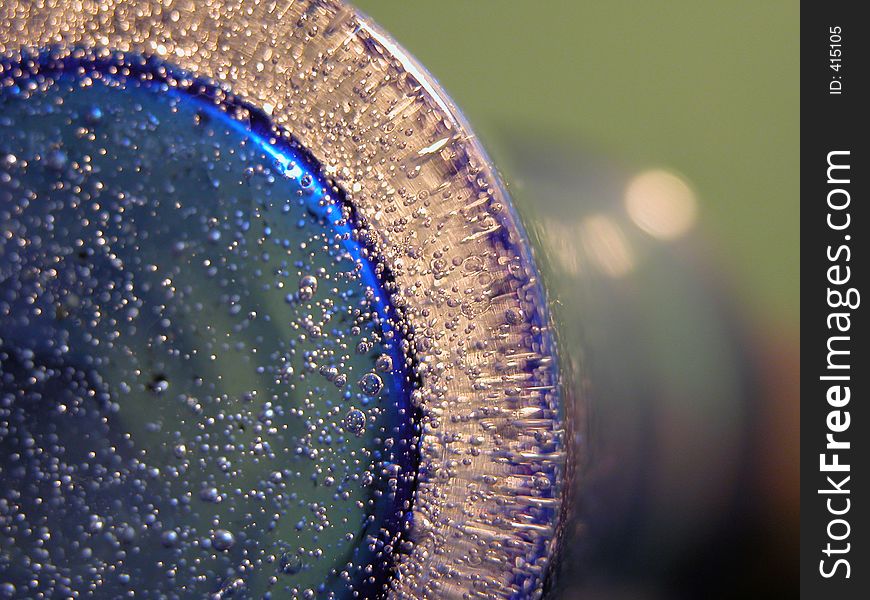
(384, 364)
(290, 563)
(371, 384)
(307, 287)
(169, 538)
(222, 539)
(355, 421)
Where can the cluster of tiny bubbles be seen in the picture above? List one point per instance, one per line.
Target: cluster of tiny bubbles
(202, 386)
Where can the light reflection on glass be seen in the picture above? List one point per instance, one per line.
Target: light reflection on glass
(661, 203)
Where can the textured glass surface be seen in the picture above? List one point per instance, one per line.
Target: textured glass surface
(270, 325)
(199, 382)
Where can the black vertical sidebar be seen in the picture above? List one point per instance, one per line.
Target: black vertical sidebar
(835, 369)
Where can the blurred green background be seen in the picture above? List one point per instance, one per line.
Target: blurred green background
(708, 90)
(691, 345)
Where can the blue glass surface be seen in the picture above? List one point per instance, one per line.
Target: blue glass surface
(123, 172)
